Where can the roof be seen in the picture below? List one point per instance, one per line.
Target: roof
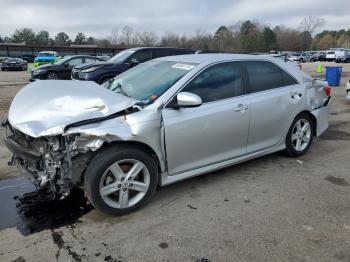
(214, 57)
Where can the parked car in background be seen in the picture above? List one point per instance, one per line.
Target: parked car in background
(2, 59)
(300, 57)
(61, 69)
(102, 72)
(28, 58)
(318, 56)
(343, 59)
(104, 57)
(330, 56)
(334, 53)
(163, 121)
(46, 57)
(14, 64)
(285, 59)
(348, 90)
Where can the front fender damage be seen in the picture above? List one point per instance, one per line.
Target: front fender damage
(64, 158)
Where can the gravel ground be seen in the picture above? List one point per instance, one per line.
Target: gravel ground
(273, 208)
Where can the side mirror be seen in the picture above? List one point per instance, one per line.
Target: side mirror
(134, 62)
(186, 99)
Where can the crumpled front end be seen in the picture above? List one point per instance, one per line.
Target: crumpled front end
(52, 162)
(43, 160)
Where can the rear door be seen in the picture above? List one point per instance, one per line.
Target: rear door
(213, 132)
(274, 99)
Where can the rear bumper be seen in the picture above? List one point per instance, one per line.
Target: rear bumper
(322, 117)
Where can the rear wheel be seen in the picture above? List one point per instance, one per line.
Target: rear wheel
(300, 135)
(301, 60)
(120, 180)
(312, 60)
(52, 76)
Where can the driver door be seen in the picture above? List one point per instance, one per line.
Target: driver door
(213, 132)
(68, 66)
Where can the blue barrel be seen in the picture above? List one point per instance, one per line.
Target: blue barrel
(333, 74)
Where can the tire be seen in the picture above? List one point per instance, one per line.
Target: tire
(301, 60)
(298, 141)
(113, 193)
(312, 60)
(52, 76)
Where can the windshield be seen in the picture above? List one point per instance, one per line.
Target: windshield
(120, 57)
(45, 54)
(13, 60)
(150, 80)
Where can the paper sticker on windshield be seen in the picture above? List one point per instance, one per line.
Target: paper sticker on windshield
(183, 66)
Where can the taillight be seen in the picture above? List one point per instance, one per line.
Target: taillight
(327, 90)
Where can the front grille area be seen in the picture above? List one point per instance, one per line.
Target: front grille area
(75, 74)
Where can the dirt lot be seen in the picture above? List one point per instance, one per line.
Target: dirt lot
(273, 208)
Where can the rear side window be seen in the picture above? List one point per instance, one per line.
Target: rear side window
(142, 55)
(217, 82)
(90, 59)
(162, 52)
(263, 75)
(183, 51)
(287, 79)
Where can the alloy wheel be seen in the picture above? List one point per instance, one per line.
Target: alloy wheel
(124, 183)
(301, 134)
(52, 76)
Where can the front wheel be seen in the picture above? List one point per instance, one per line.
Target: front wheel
(300, 135)
(120, 179)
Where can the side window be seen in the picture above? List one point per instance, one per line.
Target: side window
(75, 61)
(142, 55)
(217, 82)
(287, 79)
(90, 59)
(263, 75)
(162, 52)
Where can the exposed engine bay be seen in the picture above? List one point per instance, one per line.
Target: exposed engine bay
(47, 161)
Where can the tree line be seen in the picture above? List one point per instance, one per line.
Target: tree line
(243, 37)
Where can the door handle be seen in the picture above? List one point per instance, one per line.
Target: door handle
(295, 94)
(240, 108)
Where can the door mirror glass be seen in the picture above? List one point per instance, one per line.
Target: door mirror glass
(134, 62)
(186, 99)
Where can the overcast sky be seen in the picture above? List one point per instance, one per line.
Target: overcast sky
(99, 17)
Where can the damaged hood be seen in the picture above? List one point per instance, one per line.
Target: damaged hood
(45, 108)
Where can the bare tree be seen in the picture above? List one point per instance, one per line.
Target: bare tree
(127, 33)
(147, 38)
(114, 37)
(311, 24)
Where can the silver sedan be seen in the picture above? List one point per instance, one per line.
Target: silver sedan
(161, 122)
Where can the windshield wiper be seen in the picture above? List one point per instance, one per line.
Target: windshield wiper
(119, 86)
